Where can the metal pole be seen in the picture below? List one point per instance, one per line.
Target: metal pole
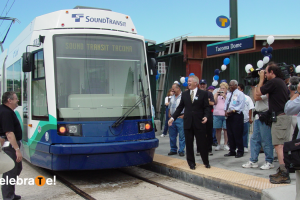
(234, 58)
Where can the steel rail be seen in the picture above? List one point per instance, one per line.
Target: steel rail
(73, 187)
(161, 185)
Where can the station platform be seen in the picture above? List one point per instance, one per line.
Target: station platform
(226, 174)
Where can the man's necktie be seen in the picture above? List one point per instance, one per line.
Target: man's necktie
(227, 106)
(192, 96)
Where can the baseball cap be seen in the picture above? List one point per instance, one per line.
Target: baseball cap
(210, 88)
(223, 80)
(203, 81)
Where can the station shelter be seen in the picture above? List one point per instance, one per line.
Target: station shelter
(185, 55)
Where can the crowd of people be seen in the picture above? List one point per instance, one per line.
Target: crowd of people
(201, 111)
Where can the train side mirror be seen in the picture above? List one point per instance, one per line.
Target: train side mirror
(153, 66)
(27, 62)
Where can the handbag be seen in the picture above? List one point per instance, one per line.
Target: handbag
(6, 163)
(265, 117)
(291, 151)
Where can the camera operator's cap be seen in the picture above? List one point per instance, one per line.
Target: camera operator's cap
(210, 88)
(223, 80)
(203, 81)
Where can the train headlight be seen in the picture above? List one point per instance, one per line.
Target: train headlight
(62, 130)
(142, 126)
(74, 129)
(69, 130)
(145, 127)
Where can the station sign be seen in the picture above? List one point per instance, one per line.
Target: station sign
(223, 21)
(231, 46)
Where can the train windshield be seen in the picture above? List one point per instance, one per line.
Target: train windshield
(100, 76)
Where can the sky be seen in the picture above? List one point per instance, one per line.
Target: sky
(162, 20)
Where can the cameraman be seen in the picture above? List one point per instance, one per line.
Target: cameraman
(278, 96)
(292, 85)
(292, 107)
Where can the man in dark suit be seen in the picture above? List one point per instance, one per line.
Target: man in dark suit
(196, 110)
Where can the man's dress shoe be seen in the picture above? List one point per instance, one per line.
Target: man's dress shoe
(239, 155)
(17, 197)
(192, 167)
(207, 166)
(230, 154)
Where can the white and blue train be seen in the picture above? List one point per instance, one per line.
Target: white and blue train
(85, 101)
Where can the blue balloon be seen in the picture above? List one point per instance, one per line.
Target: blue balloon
(264, 51)
(157, 76)
(226, 61)
(269, 55)
(216, 77)
(185, 84)
(217, 71)
(270, 50)
(186, 79)
(192, 74)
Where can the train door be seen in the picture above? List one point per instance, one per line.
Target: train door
(37, 110)
(26, 105)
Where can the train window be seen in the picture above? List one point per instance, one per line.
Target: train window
(39, 94)
(14, 79)
(38, 68)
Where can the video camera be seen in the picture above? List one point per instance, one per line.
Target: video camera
(252, 78)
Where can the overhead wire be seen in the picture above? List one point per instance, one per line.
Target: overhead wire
(7, 12)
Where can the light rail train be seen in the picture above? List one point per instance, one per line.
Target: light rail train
(82, 79)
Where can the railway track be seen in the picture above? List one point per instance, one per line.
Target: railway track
(86, 196)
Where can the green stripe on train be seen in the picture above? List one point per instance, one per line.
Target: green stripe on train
(36, 137)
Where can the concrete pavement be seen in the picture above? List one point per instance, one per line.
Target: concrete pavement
(226, 174)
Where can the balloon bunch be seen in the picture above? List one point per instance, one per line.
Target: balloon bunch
(297, 69)
(184, 80)
(266, 52)
(216, 77)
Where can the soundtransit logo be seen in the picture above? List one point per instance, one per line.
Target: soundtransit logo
(77, 17)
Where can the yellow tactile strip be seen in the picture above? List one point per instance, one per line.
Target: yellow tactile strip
(245, 181)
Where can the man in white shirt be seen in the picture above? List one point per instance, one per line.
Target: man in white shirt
(247, 117)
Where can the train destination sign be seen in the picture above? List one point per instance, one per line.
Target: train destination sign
(231, 46)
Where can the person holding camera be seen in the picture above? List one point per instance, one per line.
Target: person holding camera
(261, 134)
(281, 123)
(292, 107)
(219, 122)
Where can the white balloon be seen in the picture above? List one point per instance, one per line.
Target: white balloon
(182, 79)
(270, 39)
(248, 68)
(214, 83)
(223, 67)
(177, 82)
(266, 59)
(260, 64)
(297, 70)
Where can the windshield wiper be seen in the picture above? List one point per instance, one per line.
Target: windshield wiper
(142, 99)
